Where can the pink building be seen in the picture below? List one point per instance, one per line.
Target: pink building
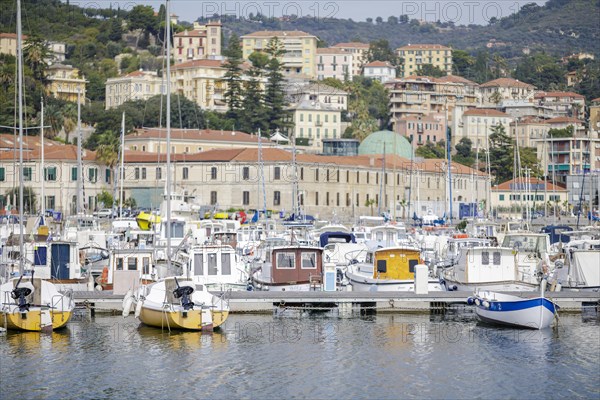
(420, 129)
(335, 63)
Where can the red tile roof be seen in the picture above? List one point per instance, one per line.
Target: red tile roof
(12, 36)
(379, 64)
(507, 82)
(456, 79)
(192, 33)
(529, 120)
(352, 45)
(194, 134)
(54, 151)
(541, 95)
(332, 50)
(505, 186)
(564, 120)
(596, 100)
(485, 112)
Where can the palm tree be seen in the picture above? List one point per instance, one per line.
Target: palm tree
(107, 151)
(69, 119)
(370, 203)
(35, 54)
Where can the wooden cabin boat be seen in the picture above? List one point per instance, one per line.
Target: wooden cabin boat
(33, 304)
(388, 269)
(289, 268)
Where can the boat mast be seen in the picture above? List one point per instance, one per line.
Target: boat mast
(168, 121)
(20, 107)
(381, 182)
(80, 199)
(449, 156)
(122, 167)
(43, 174)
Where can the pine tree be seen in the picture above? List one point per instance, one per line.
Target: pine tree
(233, 94)
(254, 115)
(275, 102)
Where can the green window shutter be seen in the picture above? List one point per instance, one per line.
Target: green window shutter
(73, 173)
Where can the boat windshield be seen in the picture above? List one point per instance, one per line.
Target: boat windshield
(527, 243)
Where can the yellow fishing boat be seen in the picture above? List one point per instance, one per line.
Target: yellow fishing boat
(146, 220)
(34, 305)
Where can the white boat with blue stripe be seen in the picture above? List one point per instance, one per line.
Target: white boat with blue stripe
(504, 309)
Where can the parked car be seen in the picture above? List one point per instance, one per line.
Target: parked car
(104, 213)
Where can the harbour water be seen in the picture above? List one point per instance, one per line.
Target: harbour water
(257, 356)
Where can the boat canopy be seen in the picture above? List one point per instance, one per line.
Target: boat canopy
(337, 237)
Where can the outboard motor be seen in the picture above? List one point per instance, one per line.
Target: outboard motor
(19, 294)
(183, 293)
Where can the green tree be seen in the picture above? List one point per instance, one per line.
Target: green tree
(233, 77)
(430, 70)
(464, 152)
(462, 63)
(430, 150)
(29, 198)
(275, 103)
(106, 198)
(501, 154)
(253, 104)
(380, 50)
(35, 54)
(116, 30)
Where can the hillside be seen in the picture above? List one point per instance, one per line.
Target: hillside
(560, 27)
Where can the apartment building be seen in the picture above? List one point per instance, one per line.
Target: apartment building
(477, 125)
(416, 55)
(382, 71)
(420, 130)
(317, 92)
(595, 117)
(359, 55)
(300, 50)
(568, 155)
(65, 82)
(60, 175)
(562, 104)
(314, 121)
(137, 85)
(334, 63)
(494, 92)
(524, 130)
(202, 42)
(201, 81)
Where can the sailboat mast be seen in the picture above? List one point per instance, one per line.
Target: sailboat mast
(79, 162)
(122, 167)
(168, 117)
(449, 156)
(43, 174)
(20, 96)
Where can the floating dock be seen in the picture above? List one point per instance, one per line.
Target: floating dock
(269, 302)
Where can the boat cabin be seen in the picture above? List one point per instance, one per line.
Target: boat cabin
(141, 260)
(486, 264)
(394, 262)
(292, 265)
(216, 266)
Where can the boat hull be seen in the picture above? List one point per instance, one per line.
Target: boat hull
(33, 320)
(535, 313)
(179, 320)
(507, 286)
(361, 284)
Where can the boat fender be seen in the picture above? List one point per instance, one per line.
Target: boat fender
(454, 288)
(127, 303)
(138, 307)
(470, 301)
(477, 302)
(485, 303)
(282, 303)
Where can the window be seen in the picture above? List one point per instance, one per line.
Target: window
(309, 260)
(213, 198)
(327, 198)
(199, 264)
(120, 264)
(50, 173)
(144, 173)
(316, 198)
(158, 173)
(501, 197)
(185, 173)
(302, 173)
(485, 258)
(276, 198)
(245, 198)
(212, 264)
(2, 174)
(145, 265)
(246, 173)
(357, 177)
(107, 175)
(348, 200)
(277, 173)
(337, 200)
(136, 173)
(132, 264)
(50, 202)
(225, 264)
(27, 173)
(286, 260)
(213, 173)
(317, 175)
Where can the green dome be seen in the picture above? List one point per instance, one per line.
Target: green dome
(394, 144)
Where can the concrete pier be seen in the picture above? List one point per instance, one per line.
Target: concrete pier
(268, 302)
